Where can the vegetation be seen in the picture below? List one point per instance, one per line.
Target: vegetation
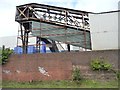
(118, 75)
(61, 84)
(117, 72)
(5, 53)
(0, 55)
(100, 64)
(76, 75)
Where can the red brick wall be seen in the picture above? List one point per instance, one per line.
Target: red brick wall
(27, 65)
(58, 65)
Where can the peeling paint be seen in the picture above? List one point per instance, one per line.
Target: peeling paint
(6, 71)
(43, 71)
(18, 71)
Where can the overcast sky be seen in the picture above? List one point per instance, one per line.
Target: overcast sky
(8, 26)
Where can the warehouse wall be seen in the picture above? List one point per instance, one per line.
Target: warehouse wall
(104, 31)
(119, 26)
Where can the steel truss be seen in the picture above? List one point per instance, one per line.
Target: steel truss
(62, 17)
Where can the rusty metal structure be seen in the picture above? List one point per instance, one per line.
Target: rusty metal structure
(52, 25)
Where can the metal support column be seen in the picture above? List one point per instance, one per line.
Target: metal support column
(68, 46)
(38, 40)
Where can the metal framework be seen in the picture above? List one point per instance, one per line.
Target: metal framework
(50, 23)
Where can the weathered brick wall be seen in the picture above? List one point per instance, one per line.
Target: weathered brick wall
(25, 68)
(59, 65)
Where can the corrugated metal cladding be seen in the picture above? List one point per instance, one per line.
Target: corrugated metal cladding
(73, 36)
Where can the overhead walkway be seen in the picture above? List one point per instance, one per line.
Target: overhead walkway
(51, 23)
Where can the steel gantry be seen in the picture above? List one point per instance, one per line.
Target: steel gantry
(53, 24)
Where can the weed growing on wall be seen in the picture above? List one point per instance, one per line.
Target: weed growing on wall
(100, 64)
(5, 54)
(118, 75)
(76, 74)
(117, 72)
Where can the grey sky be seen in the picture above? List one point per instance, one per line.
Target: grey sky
(8, 26)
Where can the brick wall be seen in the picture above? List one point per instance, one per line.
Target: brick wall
(59, 65)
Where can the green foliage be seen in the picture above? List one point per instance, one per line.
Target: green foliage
(5, 54)
(98, 64)
(61, 84)
(118, 75)
(117, 72)
(76, 75)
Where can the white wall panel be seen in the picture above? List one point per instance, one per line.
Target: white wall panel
(104, 31)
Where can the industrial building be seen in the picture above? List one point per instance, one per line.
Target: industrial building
(52, 26)
(45, 28)
(63, 29)
(104, 30)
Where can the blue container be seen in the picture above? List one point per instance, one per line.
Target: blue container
(43, 49)
(31, 49)
(18, 50)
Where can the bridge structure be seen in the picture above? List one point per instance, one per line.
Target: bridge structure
(53, 25)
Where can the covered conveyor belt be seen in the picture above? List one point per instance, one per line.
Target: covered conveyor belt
(54, 23)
